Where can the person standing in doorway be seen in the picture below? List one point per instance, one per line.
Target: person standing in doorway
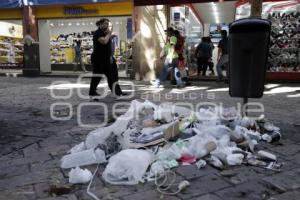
(203, 53)
(223, 57)
(78, 57)
(103, 61)
(210, 60)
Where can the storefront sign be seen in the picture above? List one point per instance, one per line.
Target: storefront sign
(176, 16)
(11, 30)
(79, 11)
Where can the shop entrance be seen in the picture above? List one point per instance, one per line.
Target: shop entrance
(11, 46)
(212, 17)
(60, 36)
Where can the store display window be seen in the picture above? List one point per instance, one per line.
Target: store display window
(11, 44)
(64, 33)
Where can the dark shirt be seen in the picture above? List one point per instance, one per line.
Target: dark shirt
(203, 50)
(102, 52)
(223, 45)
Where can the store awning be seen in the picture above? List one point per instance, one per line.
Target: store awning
(10, 4)
(19, 3)
(171, 2)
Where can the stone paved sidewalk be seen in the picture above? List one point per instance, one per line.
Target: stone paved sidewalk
(32, 144)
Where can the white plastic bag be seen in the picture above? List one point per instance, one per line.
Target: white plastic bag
(78, 175)
(235, 159)
(127, 167)
(83, 158)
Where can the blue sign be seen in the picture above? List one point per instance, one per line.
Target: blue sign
(19, 3)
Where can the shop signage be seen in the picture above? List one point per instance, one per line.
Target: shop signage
(79, 11)
(176, 16)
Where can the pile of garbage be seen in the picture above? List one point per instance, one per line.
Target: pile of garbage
(149, 140)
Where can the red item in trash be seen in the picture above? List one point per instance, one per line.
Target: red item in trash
(187, 159)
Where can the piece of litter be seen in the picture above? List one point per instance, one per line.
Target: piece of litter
(266, 155)
(214, 161)
(78, 175)
(201, 163)
(266, 138)
(235, 159)
(83, 158)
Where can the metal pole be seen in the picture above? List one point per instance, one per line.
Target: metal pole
(245, 101)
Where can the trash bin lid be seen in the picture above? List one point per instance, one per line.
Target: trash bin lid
(250, 25)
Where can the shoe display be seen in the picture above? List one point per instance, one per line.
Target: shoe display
(285, 42)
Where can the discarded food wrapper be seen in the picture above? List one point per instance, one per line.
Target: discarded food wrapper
(83, 158)
(78, 175)
(187, 159)
(214, 161)
(201, 163)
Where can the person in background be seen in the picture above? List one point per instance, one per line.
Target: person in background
(78, 57)
(223, 57)
(103, 61)
(203, 53)
(210, 62)
(171, 60)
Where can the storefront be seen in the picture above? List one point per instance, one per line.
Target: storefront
(284, 61)
(284, 54)
(60, 26)
(11, 47)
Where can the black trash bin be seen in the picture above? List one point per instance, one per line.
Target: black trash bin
(248, 52)
(31, 67)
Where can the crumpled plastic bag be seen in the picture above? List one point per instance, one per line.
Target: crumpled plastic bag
(99, 135)
(78, 175)
(174, 152)
(127, 167)
(235, 159)
(77, 148)
(201, 145)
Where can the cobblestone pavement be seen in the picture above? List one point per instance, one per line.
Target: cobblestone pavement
(32, 143)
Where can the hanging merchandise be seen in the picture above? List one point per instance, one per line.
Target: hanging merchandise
(284, 55)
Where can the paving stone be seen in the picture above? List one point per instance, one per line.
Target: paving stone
(252, 190)
(31, 178)
(203, 185)
(41, 190)
(240, 174)
(296, 159)
(192, 172)
(49, 164)
(208, 197)
(63, 197)
(284, 181)
(293, 195)
(20, 193)
(287, 150)
(32, 149)
(7, 172)
(149, 195)
(37, 158)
